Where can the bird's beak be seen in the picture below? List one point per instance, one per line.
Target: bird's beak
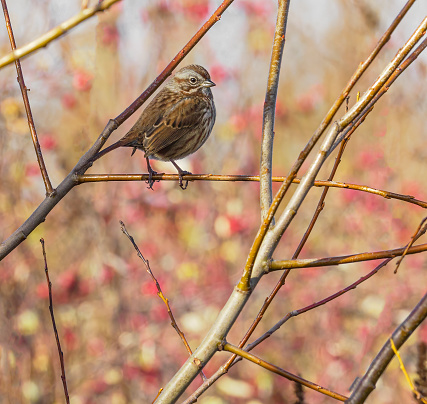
(208, 83)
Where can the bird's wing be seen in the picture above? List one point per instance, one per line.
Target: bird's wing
(174, 124)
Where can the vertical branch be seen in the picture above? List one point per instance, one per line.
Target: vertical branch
(34, 137)
(58, 343)
(266, 190)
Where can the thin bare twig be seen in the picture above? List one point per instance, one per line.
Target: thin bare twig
(418, 233)
(58, 343)
(344, 94)
(396, 73)
(360, 104)
(24, 90)
(269, 114)
(321, 203)
(56, 32)
(344, 259)
(275, 369)
(159, 291)
(160, 390)
(282, 279)
(312, 306)
(367, 383)
(285, 274)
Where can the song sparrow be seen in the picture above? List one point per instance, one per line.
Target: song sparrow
(175, 123)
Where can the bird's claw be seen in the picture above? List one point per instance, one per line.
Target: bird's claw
(181, 181)
(150, 180)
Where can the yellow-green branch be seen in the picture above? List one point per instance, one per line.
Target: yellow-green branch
(54, 33)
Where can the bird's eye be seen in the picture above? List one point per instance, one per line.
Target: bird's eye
(193, 80)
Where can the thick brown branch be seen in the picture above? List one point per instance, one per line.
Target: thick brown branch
(167, 71)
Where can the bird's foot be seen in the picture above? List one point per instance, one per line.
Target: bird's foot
(150, 180)
(181, 173)
(151, 172)
(181, 181)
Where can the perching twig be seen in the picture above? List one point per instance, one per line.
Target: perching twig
(58, 343)
(24, 90)
(81, 179)
(159, 291)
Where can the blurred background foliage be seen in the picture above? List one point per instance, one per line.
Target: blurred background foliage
(116, 336)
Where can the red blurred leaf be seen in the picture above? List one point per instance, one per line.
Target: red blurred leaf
(82, 81)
